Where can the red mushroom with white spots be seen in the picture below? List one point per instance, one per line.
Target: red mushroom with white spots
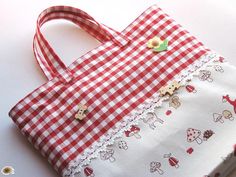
(134, 131)
(194, 135)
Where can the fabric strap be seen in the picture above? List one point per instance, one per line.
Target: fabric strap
(48, 60)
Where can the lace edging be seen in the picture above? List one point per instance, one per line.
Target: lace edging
(148, 106)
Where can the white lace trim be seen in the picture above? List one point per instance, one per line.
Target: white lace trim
(149, 106)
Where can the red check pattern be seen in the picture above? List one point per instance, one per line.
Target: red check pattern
(112, 80)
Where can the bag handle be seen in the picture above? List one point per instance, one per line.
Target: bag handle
(48, 60)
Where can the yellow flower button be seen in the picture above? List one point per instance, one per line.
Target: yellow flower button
(157, 44)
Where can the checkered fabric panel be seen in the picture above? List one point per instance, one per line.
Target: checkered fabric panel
(112, 80)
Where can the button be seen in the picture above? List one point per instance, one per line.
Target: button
(157, 44)
(81, 113)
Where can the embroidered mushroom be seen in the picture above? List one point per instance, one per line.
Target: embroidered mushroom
(107, 155)
(228, 115)
(219, 68)
(172, 160)
(205, 75)
(194, 135)
(218, 118)
(151, 119)
(174, 102)
(156, 167)
(190, 89)
(207, 134)
(88, 172)
(122, 145)
(134, 131)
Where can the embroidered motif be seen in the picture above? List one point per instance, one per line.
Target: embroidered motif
(221, 59)
(226, 98)
(174, 102)
(156, 167)
(189, 150)
(174, 162)
(207, 134)
(157, 44)
(190, 88)
(122, 145)
(151, 119)
(168, 112)
(218, 68)
(108, 155)
(205, 75)
(88, 172)
(194, 135)
(134, 131)
(218, 118)
(225, 114)
(228, 115)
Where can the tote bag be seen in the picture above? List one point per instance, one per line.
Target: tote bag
(152, 82)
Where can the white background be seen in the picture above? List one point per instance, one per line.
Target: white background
(212, 21)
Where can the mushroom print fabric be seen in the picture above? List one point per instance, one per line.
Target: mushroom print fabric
(175, 136)
(149, 101)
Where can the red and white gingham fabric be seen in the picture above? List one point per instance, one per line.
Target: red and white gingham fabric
(112, 80)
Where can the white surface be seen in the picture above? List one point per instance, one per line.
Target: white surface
(212, 22)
